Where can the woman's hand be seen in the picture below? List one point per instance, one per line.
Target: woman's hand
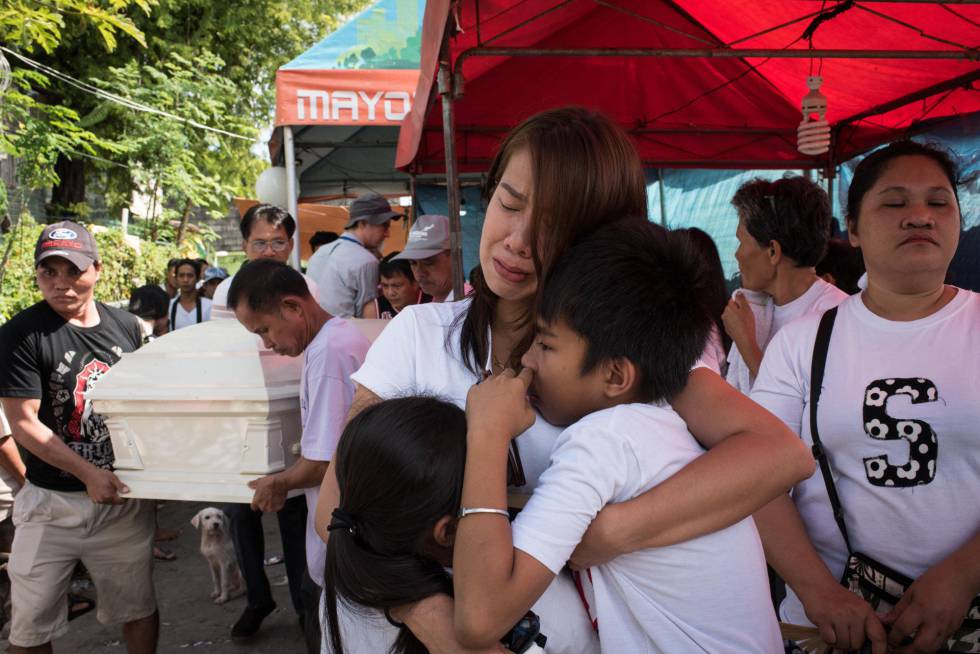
(499, 405)
(739, 320)
(931, 609)
(740, 325)
(845, 620)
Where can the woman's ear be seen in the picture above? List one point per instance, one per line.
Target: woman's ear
(444, 531)
(620, 377)
(775, 252)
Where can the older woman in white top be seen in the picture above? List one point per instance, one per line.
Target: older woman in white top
(897, 417)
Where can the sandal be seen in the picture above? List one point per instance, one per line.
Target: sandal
(79, 605)
(161, 554)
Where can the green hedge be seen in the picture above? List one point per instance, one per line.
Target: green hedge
(123, 268)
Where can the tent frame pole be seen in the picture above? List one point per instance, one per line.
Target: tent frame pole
(452, 172)
(289, 153)
(711, 53)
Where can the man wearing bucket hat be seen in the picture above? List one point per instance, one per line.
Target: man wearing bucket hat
(346, 271)
(428, 252)
(70, 509)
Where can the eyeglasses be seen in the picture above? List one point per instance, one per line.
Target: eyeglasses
(277, 245)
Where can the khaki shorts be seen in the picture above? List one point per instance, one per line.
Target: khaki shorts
(56, 529)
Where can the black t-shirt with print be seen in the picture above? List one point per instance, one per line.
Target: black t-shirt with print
(43, 356)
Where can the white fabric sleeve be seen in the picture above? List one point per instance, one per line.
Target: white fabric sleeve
(783, 384)
(365, 280)
(390, 367)
(587, 470)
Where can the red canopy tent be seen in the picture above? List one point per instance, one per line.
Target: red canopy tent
(697, 83)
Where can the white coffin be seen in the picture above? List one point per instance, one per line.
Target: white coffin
(198, 413)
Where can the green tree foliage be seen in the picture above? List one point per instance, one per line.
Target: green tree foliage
(123, 267)
(251, 39)
(38, 131)
(183, 165)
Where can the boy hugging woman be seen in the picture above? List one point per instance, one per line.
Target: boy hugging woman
(612, 346)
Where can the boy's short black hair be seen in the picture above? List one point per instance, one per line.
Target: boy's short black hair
(261, 284)
(631, 292)
(149, 302)
(390, 267)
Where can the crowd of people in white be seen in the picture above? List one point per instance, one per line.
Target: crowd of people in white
(597, 449)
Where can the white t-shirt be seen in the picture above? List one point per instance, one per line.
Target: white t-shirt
(184, 318)
(714, 357)
(889, 389)
(220, 310)
(411, 357)
(325, 397)
(709, 594)
(769, 319)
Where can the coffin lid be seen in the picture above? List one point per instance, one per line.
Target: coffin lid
(215, 360)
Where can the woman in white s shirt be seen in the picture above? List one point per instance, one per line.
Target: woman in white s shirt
(896, 416)
(560, 175)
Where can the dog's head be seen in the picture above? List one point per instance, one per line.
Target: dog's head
(210, 521)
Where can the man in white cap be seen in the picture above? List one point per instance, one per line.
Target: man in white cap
(72, 507)
(428, 252)
(346, 271)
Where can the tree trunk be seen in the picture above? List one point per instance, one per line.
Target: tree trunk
(69, 190)
(183, 222)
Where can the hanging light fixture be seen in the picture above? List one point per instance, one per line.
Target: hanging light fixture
(813, 134)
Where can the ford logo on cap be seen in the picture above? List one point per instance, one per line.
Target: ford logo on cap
(63, 234)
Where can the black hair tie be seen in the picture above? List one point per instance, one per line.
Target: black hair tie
(340, 519)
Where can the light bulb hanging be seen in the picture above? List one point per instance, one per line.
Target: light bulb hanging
(813, 134)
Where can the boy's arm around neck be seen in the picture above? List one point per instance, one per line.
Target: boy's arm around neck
(753, 458)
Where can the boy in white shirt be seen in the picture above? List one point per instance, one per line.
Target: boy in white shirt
(605, 362)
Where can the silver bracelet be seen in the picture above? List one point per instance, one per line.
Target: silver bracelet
(463, 512)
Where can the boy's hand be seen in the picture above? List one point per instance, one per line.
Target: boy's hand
(500, 406)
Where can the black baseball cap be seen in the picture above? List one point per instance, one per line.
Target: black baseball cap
(67, 240)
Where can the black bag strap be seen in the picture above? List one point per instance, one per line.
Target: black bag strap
(173, 312)
(820, 347)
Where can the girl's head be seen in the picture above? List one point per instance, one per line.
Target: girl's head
(711, 272)
(399, 466)
(903, 212)
(557, 177)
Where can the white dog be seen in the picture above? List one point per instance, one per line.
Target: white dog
(217, 549)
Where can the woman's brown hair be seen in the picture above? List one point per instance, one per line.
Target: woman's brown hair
(586, 173)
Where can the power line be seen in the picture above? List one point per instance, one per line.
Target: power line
(126, 102)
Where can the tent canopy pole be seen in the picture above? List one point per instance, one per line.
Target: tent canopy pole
(290, 155)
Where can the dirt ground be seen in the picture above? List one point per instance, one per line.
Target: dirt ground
(189, 620)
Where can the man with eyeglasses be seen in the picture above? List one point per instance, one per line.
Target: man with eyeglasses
(347, 269)
(267, 233)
